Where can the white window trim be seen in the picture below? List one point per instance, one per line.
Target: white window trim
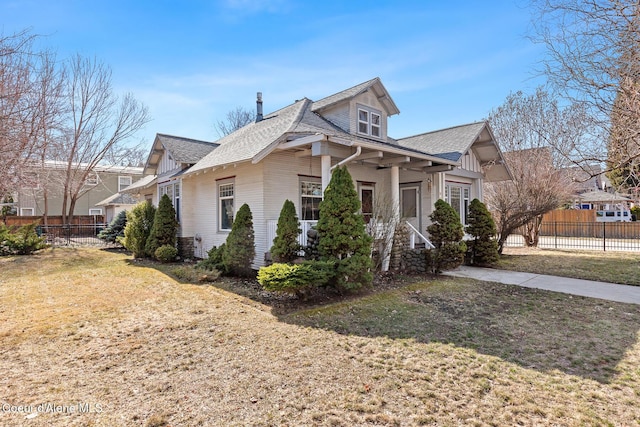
(93, 211)
(175, 199)
(370, 112)
(372, 188)
(23, 212)
(464, 201)
(221, 198)
(312, 180)
(92, 179)
(122, 187)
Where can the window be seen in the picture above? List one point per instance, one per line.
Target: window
(123, 182)
(176, 200)
(27, 211)
(310, 198)
(225, 203)
(172, 190)
(92, 179)
(369, 122)
(458, 195)
(366, 199)
(375, 125)
(96, 211)
(363, 122)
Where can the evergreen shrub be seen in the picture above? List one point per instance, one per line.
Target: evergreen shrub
(136, 232)
(240, 245)
(341, 229)
(446, 234)
(482, 249)
(285, 245)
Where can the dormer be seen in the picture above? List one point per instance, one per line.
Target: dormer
(361, 110)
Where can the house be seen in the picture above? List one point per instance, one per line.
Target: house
(290, 153)
(47, 178)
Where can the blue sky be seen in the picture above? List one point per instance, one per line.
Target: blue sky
(190, 62)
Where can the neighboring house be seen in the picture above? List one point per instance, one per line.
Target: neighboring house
(102, 183)
(589, 178)
(290, 153)
(117, 203)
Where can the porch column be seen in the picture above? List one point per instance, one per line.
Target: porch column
(395, 202)
(325, 163)
(395, 187)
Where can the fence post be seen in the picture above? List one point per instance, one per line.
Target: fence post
(604, 236)
(555, 233)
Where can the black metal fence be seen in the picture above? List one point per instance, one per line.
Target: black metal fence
(72, 235)
(603, 236)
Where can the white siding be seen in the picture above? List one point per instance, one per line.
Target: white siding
(367, 99)
(200, 206)
(338, 115)
(470, 163)
(166, 164)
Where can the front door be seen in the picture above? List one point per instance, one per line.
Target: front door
(410, 205)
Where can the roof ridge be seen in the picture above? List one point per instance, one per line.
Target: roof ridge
(300, 114)
(185, 138)
(444, 129)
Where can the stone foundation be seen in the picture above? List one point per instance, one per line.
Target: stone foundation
(185, 247)
(414, 261)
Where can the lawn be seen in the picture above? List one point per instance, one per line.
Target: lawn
(110, 341)
(614, 267)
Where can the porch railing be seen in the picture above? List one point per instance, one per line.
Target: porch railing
(272, 226)
(415, 236)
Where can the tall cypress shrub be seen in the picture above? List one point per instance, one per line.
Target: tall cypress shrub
(446, 234)
(165, 226)
(138, 228)
(343, 239)
(483, 247)
(285, 245)
(240, 245)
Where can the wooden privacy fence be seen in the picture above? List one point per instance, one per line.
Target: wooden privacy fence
(600, 230)
(54, 220)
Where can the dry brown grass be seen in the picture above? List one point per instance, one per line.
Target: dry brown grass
(613, 267)
(94, 327)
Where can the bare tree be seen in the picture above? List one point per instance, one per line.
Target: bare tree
(234, 120)
(594, 60)
(381, 227)
(528, 128)
(98, 123)
(16, 107)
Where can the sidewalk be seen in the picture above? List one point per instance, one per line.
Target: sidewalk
(586, 288)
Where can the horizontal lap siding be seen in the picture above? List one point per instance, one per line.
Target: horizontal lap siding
(282, 174)
(200, 206)
(249, 189)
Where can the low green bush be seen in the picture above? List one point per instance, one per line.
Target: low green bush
(215, 260)
(298, 279)
(166, 253)
(20, 240)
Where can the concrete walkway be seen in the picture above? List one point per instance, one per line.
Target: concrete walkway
(586, 288)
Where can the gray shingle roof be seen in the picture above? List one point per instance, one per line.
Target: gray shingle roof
(448, 144)
(185, 150)
(247, 142)
(141, 184)
(346, 94)
(118, 199)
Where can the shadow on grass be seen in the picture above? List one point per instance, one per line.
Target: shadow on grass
(536, 329)
(533, 328)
